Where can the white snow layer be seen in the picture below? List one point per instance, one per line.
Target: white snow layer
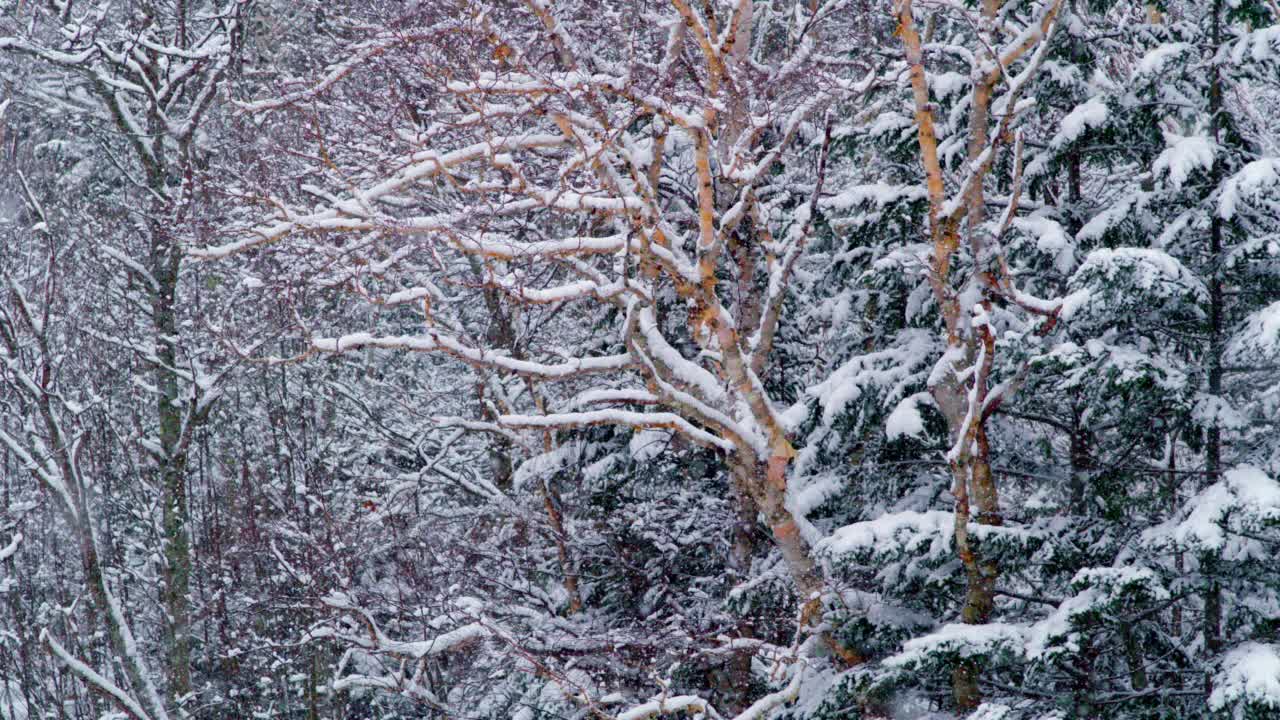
(960, 639)
(1250, 676)
(891, 532)
(1051, 240)
(1260, 335)
(1092, 113)
(1245, 185)
(905, 420)
(1244, 496)
(1185, 155)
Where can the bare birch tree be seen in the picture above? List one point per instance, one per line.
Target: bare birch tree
(647, 181)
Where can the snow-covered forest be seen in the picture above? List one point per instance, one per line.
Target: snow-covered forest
(639, 359)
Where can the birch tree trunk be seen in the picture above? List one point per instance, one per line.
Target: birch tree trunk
(961, 383)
